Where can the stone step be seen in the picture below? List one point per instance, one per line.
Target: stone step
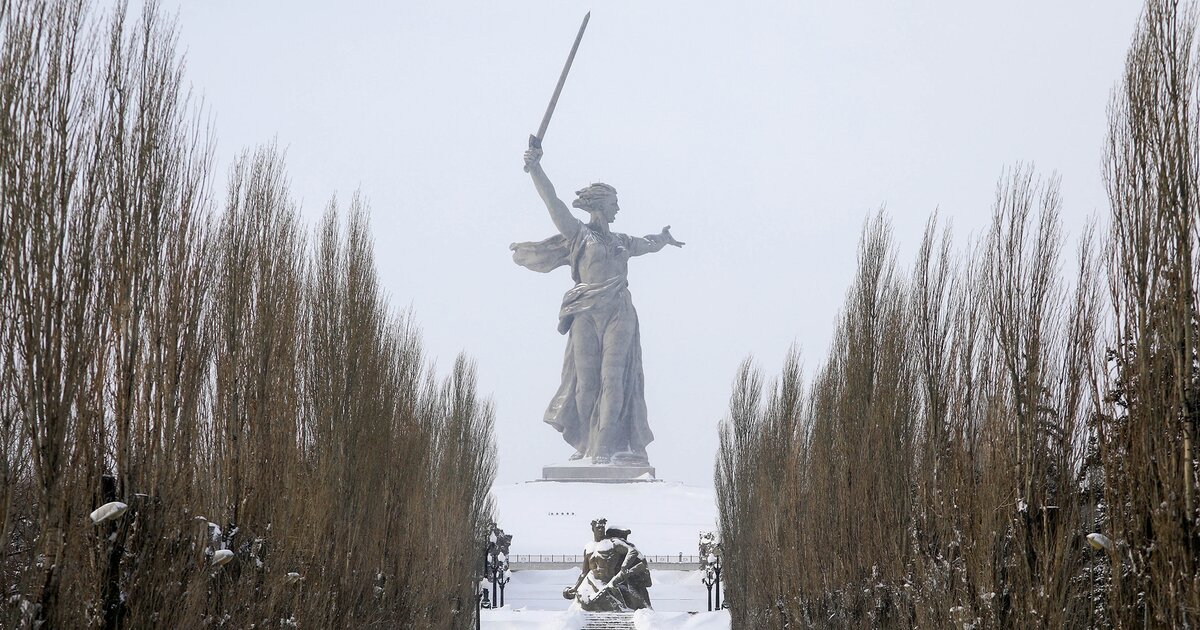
(608, 621)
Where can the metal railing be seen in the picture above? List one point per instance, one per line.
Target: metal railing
(578, 558)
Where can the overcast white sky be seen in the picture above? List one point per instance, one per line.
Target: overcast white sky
(763, 133)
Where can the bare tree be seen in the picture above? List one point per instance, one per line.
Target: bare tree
(242, 395)
(1148, 434)
(928, 477)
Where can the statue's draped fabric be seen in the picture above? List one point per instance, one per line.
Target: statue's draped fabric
(597, 315)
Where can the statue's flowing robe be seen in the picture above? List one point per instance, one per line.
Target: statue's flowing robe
(562, 413)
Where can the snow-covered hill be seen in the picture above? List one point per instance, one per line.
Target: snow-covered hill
(508, 619)
(666, 518)
(552, 518)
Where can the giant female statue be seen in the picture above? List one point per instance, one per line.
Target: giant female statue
(600, 406)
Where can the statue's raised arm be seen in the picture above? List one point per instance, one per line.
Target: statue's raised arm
(567, 225)
(600, 405)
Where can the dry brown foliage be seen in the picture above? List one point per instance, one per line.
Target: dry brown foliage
(1147, 437)
(966, 433)
(238, 384)
(929, 476)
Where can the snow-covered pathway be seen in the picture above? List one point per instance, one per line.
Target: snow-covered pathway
(554, 518)
(508, 619)
(533, 601)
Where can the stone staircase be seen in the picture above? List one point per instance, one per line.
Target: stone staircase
(608, 621)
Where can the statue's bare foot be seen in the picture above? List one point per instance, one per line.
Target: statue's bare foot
(601, 459)
(635, 458)
(577, 456)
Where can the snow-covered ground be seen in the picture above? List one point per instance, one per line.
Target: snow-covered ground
(549, 517)
(533, 600)
(544, 518)
(673, 591)
(509, 619)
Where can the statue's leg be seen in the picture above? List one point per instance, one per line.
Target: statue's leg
(617, 340)
(586, 353)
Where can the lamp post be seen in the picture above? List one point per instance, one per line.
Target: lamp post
(491, 561)
(712, 578)
(496, 564)
(505, 576)
(716, 565)
(499, 575)
(708, 581)
(710, 562)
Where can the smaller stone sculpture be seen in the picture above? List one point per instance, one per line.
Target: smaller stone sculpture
(614, 575)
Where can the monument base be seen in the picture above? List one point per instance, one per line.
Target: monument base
(598, 473)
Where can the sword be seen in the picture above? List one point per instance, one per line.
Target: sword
(535, 141)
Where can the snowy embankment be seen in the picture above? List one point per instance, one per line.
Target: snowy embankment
(533, 600)
(673, 591)
(666, 518)
(509, 619)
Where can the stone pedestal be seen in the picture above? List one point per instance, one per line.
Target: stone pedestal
(582, 470)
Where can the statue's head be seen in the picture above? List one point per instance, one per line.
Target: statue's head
(601, 563)
(598, 200)
(598, 527)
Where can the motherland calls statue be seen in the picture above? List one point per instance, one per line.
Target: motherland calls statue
(614, 576)
(600, 406)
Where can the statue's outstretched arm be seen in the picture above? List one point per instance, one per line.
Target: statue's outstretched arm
(567, 225)
(653, 242)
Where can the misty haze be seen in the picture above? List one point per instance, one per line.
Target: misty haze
(639, 315)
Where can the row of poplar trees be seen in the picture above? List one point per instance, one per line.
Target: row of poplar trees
(982, 412)
(233, 377)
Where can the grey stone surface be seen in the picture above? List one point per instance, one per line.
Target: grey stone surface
(600, 405)
(615, 575)
(612, 473)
